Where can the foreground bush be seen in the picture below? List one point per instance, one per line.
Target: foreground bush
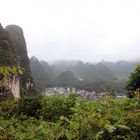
(70, 118)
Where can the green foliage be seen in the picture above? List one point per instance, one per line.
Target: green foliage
(7, 71)
(41, 77)
(133, 83)
(55, 106)
(49, 109)
(70, 118)
(8, 109)
(7, 51)
(66, 79)
(30, 106)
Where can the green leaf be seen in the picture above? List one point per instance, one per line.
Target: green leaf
(69, 135)
(124, 127)
(99, 135)
(110, 128)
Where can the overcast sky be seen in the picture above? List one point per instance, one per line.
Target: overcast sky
(89, 30)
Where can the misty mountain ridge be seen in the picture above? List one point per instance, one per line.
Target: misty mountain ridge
(120, 69)
(68, 73)
(89, 76)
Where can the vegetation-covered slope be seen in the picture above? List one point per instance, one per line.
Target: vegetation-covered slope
(87, 76)
(121, 69)
(66, 78)
(41, 77)
(8, 55)
(48, 69)
(17, 37)
(9, 76)
(13, 60)
(70, 118)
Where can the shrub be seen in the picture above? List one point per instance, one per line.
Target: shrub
(70, 118)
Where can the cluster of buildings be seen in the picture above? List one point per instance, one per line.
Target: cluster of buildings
(82, 93)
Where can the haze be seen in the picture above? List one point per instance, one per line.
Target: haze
(87, 30)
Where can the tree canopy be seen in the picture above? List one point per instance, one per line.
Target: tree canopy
(133, 83)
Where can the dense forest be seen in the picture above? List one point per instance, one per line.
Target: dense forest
(27, 114)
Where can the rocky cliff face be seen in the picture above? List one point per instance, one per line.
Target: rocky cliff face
(13, 53)
(12, 85)
(17, 37)
(8, 57)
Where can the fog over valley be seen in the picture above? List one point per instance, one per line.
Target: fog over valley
(91, 30)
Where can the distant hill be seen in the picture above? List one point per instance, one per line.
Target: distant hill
(66, 78)
(105, 70)
(85, 71)
(97, 77)
(48, 69)
(121, 69)
(41, 76)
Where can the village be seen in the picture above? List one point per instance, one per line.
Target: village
(81, 93)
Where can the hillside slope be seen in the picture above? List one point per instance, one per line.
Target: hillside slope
(17, 37)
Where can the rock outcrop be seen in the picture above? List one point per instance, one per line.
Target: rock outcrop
(12, 85)
(8, 57)
(17, 37)
(13, 53)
